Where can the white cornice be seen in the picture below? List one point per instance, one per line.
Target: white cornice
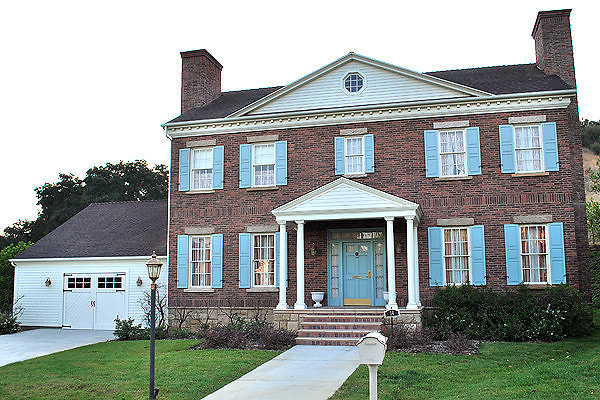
(385, 112)
(61, 259)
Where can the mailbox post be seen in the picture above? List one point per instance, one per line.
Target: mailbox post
(371, 351)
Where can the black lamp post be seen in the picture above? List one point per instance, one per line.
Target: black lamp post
(153, 273)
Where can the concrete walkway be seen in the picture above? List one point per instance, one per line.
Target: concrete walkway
(303, 372)
(40, 342)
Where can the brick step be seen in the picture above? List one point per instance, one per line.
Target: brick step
(361, 319)
(332, 333)
(346, 311)
(374, 326)
(327, 341)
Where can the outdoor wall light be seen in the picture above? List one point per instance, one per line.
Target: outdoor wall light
(48, 282)
(139, 281)
(313, 249)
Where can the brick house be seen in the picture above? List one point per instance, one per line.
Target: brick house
(376, 185)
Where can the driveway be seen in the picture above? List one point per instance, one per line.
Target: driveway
(40, 342)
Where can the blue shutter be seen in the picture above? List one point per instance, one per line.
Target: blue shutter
(182, 261)
(281, 163)
(245, 165)
(512, 247)
(432, 153)
(550, 146)
(245, 259)
(184, 170)
(507, 149)
(339, 156)
(557, 253)
(478, 255)
(436, 264)
(216, 261)
(277, 259)
(473, 151)
(218, 167)
(369, 153)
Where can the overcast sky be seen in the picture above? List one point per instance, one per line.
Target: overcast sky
(85, 83)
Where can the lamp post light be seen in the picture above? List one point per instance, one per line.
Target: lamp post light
(153, 273)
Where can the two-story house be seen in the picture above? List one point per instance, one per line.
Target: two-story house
(376, 184)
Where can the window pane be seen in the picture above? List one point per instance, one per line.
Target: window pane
(202, 159)
(533, 254)
(264, 154)
(201, 260)
(264, 259)
(456, 255)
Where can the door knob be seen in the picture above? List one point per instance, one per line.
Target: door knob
(369, 274)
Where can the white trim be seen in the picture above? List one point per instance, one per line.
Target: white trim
(464, 138)
(470, 261)
(191, 186)
(359, 91)
(252, 165)
(347, 156)
(541, 138)
(548, 266)
(382, 112)
(252, 282)
(85, 258)
(190, 262)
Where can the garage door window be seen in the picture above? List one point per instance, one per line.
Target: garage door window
(110, 282)
(201, 261)
(79, 283)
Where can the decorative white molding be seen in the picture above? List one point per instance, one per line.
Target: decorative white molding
(263, 138)
(527, 120)
(450, 124)
(201, 143)
(355, 131)
(352, 115)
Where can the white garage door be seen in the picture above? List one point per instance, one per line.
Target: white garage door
(93, 301)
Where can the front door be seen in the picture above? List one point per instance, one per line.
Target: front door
(358, 284)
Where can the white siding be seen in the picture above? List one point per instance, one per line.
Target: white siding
(344, 198)
(43, 306)
(382, 87)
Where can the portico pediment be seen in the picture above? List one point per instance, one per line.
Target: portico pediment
(346, 199)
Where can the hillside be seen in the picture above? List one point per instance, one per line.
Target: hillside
(589, 161)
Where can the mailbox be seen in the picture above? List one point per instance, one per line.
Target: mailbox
(371, 348)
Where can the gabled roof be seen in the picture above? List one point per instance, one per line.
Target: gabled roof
(119, 229)
(345, 199)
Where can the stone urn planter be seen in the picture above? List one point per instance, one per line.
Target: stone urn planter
(317, 297)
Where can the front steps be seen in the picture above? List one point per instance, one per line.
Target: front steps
(338, 326)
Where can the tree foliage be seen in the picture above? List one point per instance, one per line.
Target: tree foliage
(590, 135)
(7, 273)
(59, 201)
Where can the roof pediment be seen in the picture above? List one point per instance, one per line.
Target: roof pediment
(383, 84)
(346, 199)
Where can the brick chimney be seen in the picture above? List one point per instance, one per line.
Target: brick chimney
(553, 45)
(200, 79)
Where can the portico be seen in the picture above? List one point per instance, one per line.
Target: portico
(347, 200)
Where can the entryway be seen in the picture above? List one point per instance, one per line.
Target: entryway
(93, 301)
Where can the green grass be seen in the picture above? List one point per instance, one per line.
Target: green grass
(563, 370)
(119, 370)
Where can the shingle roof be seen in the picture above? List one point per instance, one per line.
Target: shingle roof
(130, 228)
(504, 79)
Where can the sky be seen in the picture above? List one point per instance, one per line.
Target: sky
(84, 83)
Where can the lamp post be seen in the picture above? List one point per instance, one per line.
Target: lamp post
(153, 273)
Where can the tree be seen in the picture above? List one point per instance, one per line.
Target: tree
(7, 274)
(590, 135)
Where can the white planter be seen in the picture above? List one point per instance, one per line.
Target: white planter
(317, 297)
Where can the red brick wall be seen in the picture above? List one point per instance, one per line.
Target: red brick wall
(492, 199)
(200, 79)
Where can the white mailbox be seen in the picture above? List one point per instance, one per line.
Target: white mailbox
(371, 348)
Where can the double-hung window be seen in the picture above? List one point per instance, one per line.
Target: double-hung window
(534, 254)
(263, 164)
(355, 155)
(202, 169)
(200, 261)
(453, 154)
(456, 255)
(263, 259)
(528, 149)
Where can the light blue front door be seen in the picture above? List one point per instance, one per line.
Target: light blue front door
(358, 283)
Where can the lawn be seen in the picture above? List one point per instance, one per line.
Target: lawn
(119, 370)
(563, 370)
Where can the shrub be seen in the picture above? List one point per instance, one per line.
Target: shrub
(595, 275)
(228, 336)
(126, 330)
(244, 334)
(515, 315)
(8, 323)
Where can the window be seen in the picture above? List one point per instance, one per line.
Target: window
(355, 155)
(353, 82)
(263, 259)
(453, 155)
(201, 261)
(202, 169)
(79, 283)
(456, 255)
(534, 255)
(110, 282)
(263, 164)
(528, 149)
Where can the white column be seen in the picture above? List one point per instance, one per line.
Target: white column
(410, 263)
(391, 305)
(282, 267)
(417, 290)
(300, 305)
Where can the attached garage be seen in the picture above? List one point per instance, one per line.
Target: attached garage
(92, 269)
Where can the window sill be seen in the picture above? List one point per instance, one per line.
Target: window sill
(537, 286)
(266, 289)
(200, 191)
(199, 290)
(518, 175)
(355, 175)
(262, 188)
(454, 178)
